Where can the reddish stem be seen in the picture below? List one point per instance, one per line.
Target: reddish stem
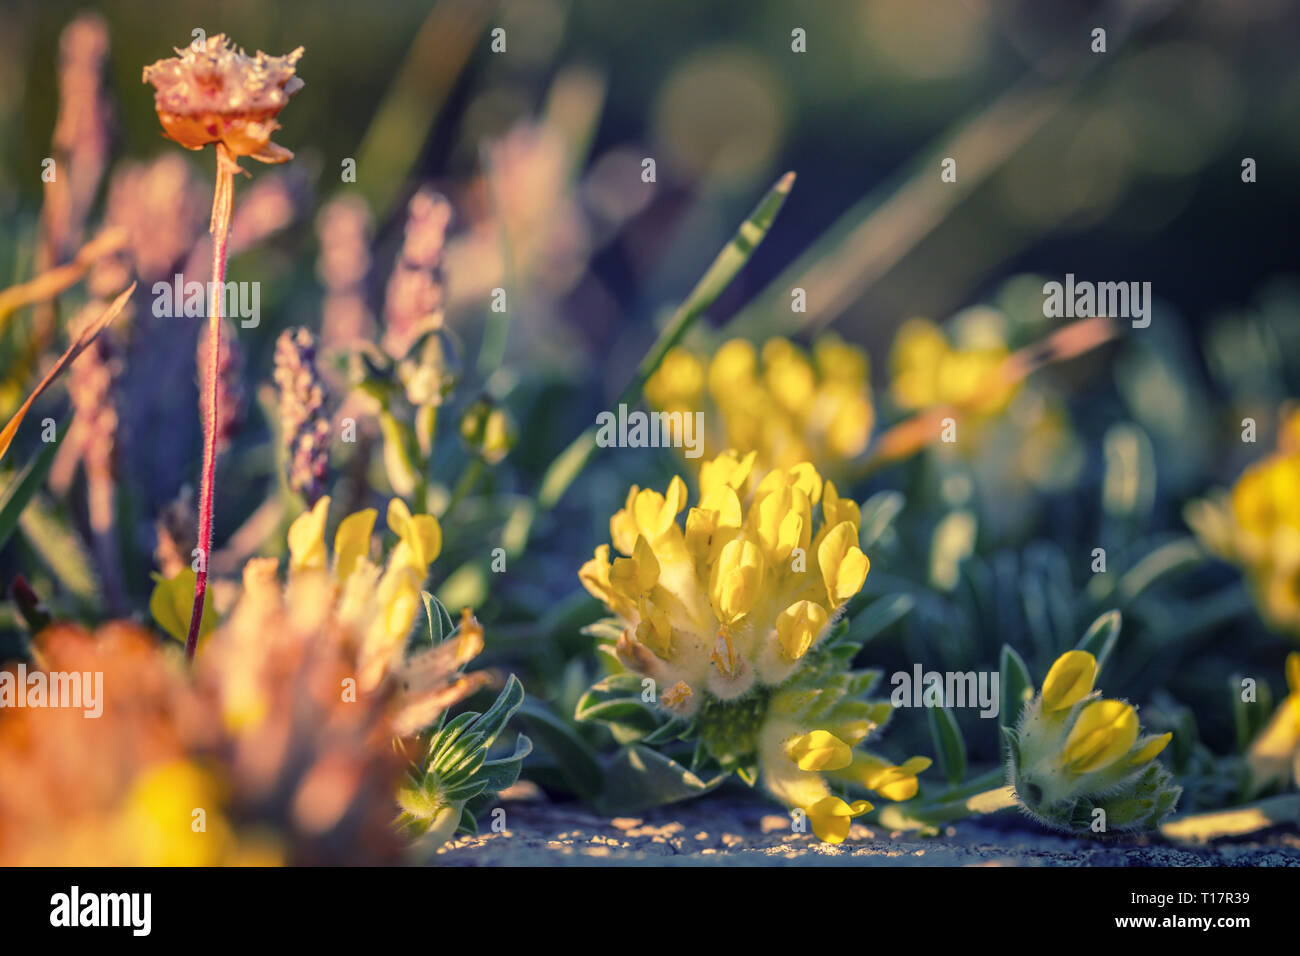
(222, 204)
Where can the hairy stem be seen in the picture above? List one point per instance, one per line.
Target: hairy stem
(222, 204)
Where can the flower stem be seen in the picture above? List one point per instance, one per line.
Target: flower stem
(222, 204)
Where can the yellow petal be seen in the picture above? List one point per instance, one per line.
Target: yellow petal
(1069, 681)
(819, 750)
(352, 541)
(843, 565)
(1104, 732)
(798, 626)
(428, 533)
(307, 538)
(399, 518)
(1151, 749)
(831, 817)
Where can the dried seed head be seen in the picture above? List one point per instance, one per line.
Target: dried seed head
(304, 423)
(219, 94)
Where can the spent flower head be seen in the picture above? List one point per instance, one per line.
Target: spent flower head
(216, 93)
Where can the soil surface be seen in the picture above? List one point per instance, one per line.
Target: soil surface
(722, 831)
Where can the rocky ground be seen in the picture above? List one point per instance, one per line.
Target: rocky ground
(721, 831)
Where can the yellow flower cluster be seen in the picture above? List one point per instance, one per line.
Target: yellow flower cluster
(781, 402)
(726, 612)
(378, 603)
(1258, 527)
(738, 595)
(926, 369)
(1075, 753)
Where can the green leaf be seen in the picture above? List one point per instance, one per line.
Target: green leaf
(468, 822)
(878, 513)
(949, 745)
(23, 487)
(504, 771)
(463, 792)
(879, 617)
(640, 778)
(627, 717)
(444, 739)
(1014, 685)
(498, 715)
(436, 613)
(1100, 638)
(576, 760)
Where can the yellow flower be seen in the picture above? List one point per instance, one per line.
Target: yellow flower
(1080, 762)
(1104, 731)
(776, 401)
(380, 603)
(831, 817)
(927, 370)
(892, 781)
(1257, 526)
(738, 593)
(1274, 755)
(1069, 681)
(730, 609)
(213, 93)
(819, 750)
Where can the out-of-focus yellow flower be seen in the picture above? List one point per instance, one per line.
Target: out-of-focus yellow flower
(927, 370)
(891, 781)
(780, 402)
(214, 93)
(1274, 755)
(831, 817)
(1257, 526)
(380, 603)
(1080, 762)
(728, 610)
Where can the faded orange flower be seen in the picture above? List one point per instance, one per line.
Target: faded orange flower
(216, 93)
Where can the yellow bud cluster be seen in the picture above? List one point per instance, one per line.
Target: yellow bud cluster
(1075, 753)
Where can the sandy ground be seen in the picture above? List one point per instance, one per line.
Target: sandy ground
(721, 831)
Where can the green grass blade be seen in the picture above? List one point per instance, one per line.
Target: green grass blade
(569, 464)
(25, 486)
